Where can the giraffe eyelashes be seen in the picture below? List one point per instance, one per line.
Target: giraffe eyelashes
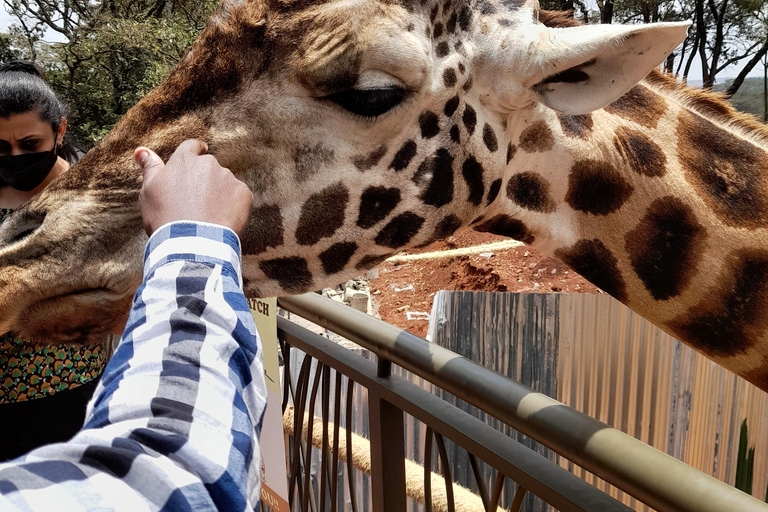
(369, 102)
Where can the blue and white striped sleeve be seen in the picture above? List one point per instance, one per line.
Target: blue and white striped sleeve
(174, 423)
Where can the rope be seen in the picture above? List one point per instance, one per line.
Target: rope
(466, 500)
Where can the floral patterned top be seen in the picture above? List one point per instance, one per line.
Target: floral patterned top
(30, 370)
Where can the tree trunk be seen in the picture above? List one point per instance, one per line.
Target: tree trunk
(669, 64)
(717, 48)
(691, 58)
(747, 68)
(606, 14)
(682, 56)
(701, 35)
(765, 90)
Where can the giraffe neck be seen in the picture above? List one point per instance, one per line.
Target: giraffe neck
(663, 207)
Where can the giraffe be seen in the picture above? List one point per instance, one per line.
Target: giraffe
(364, 127)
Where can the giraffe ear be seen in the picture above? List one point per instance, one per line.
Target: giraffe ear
(586, 68)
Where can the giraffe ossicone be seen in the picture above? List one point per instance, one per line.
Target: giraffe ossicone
(366, 127)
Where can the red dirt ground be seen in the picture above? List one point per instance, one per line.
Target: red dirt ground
(520, 269)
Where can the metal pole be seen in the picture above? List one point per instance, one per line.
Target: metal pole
(387, 455)
(649, 475)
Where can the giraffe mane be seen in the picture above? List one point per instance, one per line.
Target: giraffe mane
(713, 106)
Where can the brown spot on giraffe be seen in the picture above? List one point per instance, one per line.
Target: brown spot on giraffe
(666, 247)
(451, 106)
(493, 191)
(404, 156)
(449, 77)
(450, 26)
(531, 191)
(640, 105)
(263, 230)
(505, 225)
(511, 151)
(469, 118)
(400, 230)
(596, 187)
(375, 204)
(309, 159)
(454, 133)
(489, 138)
(435, 175)
(322, 214)
(445, 228)
(536, 138)
(727, 171)
(643, 155)
(371, 261)
(336, 257)
(443, 49)
(292, 273)
(578, 126)
(364, 163)
(734, 313)
(430, 124)
(593, 260)
(448, 226)
(472, 171)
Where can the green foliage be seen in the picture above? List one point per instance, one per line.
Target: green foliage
(7, 51)
(115, 51)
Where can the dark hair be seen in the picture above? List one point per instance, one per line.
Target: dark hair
(23, 88)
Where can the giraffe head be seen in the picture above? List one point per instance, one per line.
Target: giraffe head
(361, 126)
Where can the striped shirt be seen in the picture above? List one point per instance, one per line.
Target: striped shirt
(174, 423)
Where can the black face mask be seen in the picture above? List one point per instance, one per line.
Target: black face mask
(26, 172)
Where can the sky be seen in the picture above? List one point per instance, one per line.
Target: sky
(694, 75)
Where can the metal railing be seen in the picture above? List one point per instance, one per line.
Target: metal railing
(652, 477)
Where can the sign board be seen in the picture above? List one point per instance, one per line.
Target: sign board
(274, 484)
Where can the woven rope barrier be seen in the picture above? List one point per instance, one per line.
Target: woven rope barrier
(465, 500)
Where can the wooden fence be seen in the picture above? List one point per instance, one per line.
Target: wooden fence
(595, 355)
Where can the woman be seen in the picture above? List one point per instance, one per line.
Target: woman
(44, 388)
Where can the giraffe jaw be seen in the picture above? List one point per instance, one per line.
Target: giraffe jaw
(60, 318)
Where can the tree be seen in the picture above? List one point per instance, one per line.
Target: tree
(114, 51)
(7, 50)
(727, 33)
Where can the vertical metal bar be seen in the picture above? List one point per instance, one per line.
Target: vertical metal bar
(336, 427)
(287, 377)
(517, 503)
(446, 468)
(481, 488)
(428, 470)
(387, 455)
(350, 467)
(298, 426)
(293, 454)
(383, 367)
(308, 494)
(324, 455)
(498, 486)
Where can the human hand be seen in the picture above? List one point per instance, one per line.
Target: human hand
(191, 186)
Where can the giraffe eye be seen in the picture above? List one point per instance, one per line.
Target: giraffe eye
(368, 102)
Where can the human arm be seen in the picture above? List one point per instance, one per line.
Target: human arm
(177, 415)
